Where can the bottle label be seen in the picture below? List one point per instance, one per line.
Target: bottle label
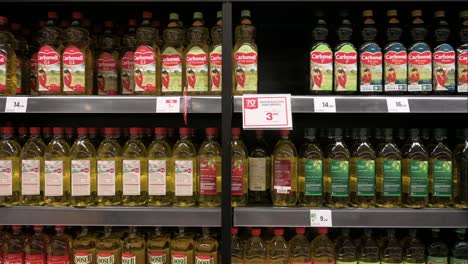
(442, 178)
(321, 68)
(183, 177)
(208, 176)
(420, 68)
(301, 262)
(339, 173)
(458, 261)
(131, 177)
(58, 260)
(14, 258)
(171, 72)
(35, 259)
(107, 75)
(365, 262)
(3, 71)
(157, 177)
(105, 258)
(178, 258)
(444, 68)
(53, 178)
(346, 68)
(145, 69)
(81, 177)
(201, 259)
(418, 178)
(216, 68)
(19, 66)
(237, 177)
(6, 177)
(246, 60)
(83, 257)
(127, 66)
(323, 262)
(396, 68)
(282, 176)
(365, 177)
(437, 260)
(346, 262)
(106, 177)
(48, 73)
(392, 178)
(30, 177)
(34, 66)
(313, 177)
(74, 70)
(257, 174)
(462, 58)
(128, 258)
(196, 62)
(371, 68)
(157, 257)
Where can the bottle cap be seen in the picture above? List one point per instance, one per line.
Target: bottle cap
(219, 14)
(117, 130)
(47, 130)
(147, 15)
(440, 132)
(22, 130)
(173, 16)
(77, 15)
(367, 13)
(284, 132)
(310, 132)
(132, 22)
(460, 231)
(236, 131)
(323, 230)
(439, 13)
(463, 13)
(185, 131)
(42, 23)
(197, 15)
(64, 23)
(15, 26)
(83, 131)
(363, 132)
(256, 231)
(392, 12)
(3, 20)
(388, 132)
(278, 231)
(109, 131)
(38, 228)
(435, 230)
(234, 231)
(338, 132)
(35, 130)
(414, 132)
(155, 23)
(69, 130)
(16, 227)
(93, 131)
(108, 24)
(59, 228)
(160, 131)
(58, 131)
(8, 130)
(135, 131)
(416, 13)
(52, 15)
(245, 13)
(211, 131)
(300, 230)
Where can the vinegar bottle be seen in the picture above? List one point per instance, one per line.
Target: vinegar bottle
(284, 171)
(182, 248)
(109, 247)
(13, 249)
(10, 151)
(184, 157)
(440, 171)
(209, 160)
(59, 247)
(127, 66)
(255, 249)
(239, 170)
(322, 248)
(460, 168)
(299, 249)
(107, 59)
(7, 59)
(84, 247)
(172, 72)
(310, 171)
(35, 246)
(158, 247)
(133, 248)
(260, 171)
(237, 248)
(206, 248)
(216, 56)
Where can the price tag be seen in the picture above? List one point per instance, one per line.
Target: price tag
(16, 104)
(168, 104)
(324, 104)
(267, 111)
(320, 218)
(398, 105)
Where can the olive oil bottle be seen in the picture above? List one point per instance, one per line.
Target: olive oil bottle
(370, 57)
(460, 168)
(346, 60)
(134, 248)
(8, 79)
(10, 150)
(346, 252)
(437, 250)
(310, 171)
(127, 63)
(216, 55)
(462, 52)
(32, 169)
(206, 248)
(413, 249)
(84, 247)
(109, 247)
(444, 58)
(239, 170)
(322, 248)
(440, 171)
(172, 72)
(259, 171)
(284, 171)
(368, 249)
(107, 74)
(392, 252)
(158, 247)
(321, 60)
(209, 165)
(182, 248)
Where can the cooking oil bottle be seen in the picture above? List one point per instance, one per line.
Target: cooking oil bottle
(209, 177)
(440, 171)
(133, 248)
(32, 170)
(345, 58)
(84, 247)
(109, 248)
(7, 59)
(239, 170)
(443, 68)
(10, 151)
(321, 60)
(172, 72)
(419, 57)
(77, 59)
(70, 135)
(206, 248)
(460, 168)
(337, 172)
(237, 247)
(245, 57)
(415, 176)
(299, 250)
(59, 247)
(107, 74)
(346, 252)
(127, 63)
(370, 57)
(135, 170)
(260, 171)
(57, 170)
(22, 135)
(462, 53)
(310, 171)
(35, 246)
(391, 252)
(437, 250)
(83, 171)
(13, 251)
(160, 170)
(413, 249)
(388, 173)
(278, 252)
(196, 56)
(322, 248)
(182, 248)
(146, 58)
(395, 56)
(368, 250)
(460, 248)
(22, 60)
(33, 63)
(284, 171)
(184, 157)
(158, 247)
(216, 55)
(255, 249)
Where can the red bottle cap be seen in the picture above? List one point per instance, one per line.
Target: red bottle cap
(47, 130)
(323, 230)
(59, 228)
(22, 130)
(135, 131)
(256, 231)
(300, 230)
(77, 15)
(35, 130)
(234, 231)
(58, 131)
(236, 131)
(52, 15)
(278, 231)
(16, 227)
(147, 15)
(155, 23)
(83, 131)
(8, 130)
(109, 131)
(108, 24)
(15, 26)
(69, 130)
(284, 132)
(3, 20)
(38, 228)
(185, 131)
(117, 130)
(93, 131)
(211, 131)
(160, 131)
(132, 22)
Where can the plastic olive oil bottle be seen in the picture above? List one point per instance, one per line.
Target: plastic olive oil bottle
(127, 63)
(182, 248)
(255, 249)
(172, 71)
(370, 57)
(10, 151)
(260, 171)
(206, 248)
(322, 248)
(216, 56)
(32, 169)
(107, 74)
(35, 246)
(460, 168)
(310, 171)
(134, 248)
(299, 248)
(158, 247)
(59, 247)
(109, 247)
(419, 57)
(440, 171)
(460, 248)
(13, 247)
(346, 252)
(239, 170)
(209, 165)
(278, 252)
(7, 59)
(237, 247)
(346, 60)
(84, 247)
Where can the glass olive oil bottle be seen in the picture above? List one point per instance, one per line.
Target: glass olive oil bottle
(461, 172)
(284, 171)
(440, 171)
(310, 171)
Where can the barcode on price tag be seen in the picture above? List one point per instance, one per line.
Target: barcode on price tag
(324, 105)
(320, 218)
(398, 105)
(168, 105)
(267, 111)
(16, 104)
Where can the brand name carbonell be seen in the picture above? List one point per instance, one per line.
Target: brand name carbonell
(420, 57)
(346, 57)
(73, 58)
(322, 56)
(144, 57)
(246, 57)
(49, 57)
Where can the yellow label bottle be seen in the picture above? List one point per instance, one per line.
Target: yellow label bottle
(127, 81)
(134, 247)
(182, 248)
(284, 172)
(184, 157)
(216, 55)
(172, 72)
(239, 170)
(84, 247)
(440, 172)
(158, 247)
(32, 170)
(109, 248)
(107, 62)
(209, 165)
(7, 59)
(310, 172)
(10, 150)
(206, 248)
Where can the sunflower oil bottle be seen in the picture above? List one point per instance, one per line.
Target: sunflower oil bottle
(419, 57)
(299, 249)
(284, 171)
(10, 151)
(443, 57)
(107, 74)
(462, 54)
(345, 60)
(206, 248)
(32, 170)
(237, 247)
(127, 63)
(7, 59)
(322, 248)
(391, 252)
(460, 168)
(395, 56)
(22, 60)
(260, 171)
(255, 249)
(59, 247)
(182, 248)
(216, 55)
(209, 165)
(184, 157)
(84, 247)
(35, 246)
(368, 249)
(135, 170)
(278, 251)
(440, 171)
(437, 250)
(158, 247)
(239, 170)
(57, 170)
(460, 248)
(310, 171)
(109, 248)
(13, 249)
(133, 248)
(370, 57)
(346, 252)
(172, 71)
(413, 249)
(160, 170)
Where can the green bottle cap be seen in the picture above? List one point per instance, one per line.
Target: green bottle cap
(197, 15)
(310, 132)
(363, 132)
(440, 132)
(414, 132)
(219, 14)
(388, 132)
(245, 13)
(173, 16)
(338, 132)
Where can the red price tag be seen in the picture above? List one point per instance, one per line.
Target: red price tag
(267, 111)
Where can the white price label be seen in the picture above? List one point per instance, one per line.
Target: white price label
(16, 104)
(167, 104)
(398, 105)
(267, 111)
(320, 218)
(324, 105)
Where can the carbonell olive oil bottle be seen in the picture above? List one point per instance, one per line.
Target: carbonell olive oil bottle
(370, 57)
(109, 248)
(460, 168)
(22, 60)
(321, 60)
(462, 54)
(345, 58)
(59, 247)
(440, 171)
(10, 151)
(209, 159)
(127, 63)
(395, 57)
(172, 72)
(134, 248)
(239, 170)
(107, 75)
(216, 55)
(310, 171)
(443, 60)
(7, 59)
(419, 57)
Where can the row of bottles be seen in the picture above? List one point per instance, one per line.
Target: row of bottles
(108, 247)
(391, 68)
(366, 247)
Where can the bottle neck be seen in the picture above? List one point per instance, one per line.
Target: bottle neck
(160, 137)
(185, 137)
(211, 138)
(7, 137)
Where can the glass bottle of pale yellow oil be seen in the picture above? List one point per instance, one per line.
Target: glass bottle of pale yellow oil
(216, 55)
(239, 170)
(107, 60)
(134, 248)
(158, 247)
(182, 248)
(7, 59)
(322, 248)
(77, 59)
(32, 170)
(260, 171)
(135, 170)
(440, 171)
(83, 170)
(109, 247)
(184, 156)
(388, 173)
(245, 57)
(109, 169)
(345, 248)
(84, 247)
(127, 81)
(10, 150)
(255, 249)
(415, 176)
(160, 170)
(336, 176)
(362, 180)
(391, 250)
(460, 168)
(206, 248)
(172, 71)
(368, 249)
(209, 166)
(57, 170)
(284, 171)
(310, 171)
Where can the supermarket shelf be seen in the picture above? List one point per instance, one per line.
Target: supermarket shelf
(377, 104)
(115, 216)
(371, 217)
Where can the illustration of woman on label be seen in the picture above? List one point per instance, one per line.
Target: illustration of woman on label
(191, 79)
(391, 76)
(67, 78)
(317, 78)
(366, 78)
(464, 77)
(215, 79)
(441, 78)
(42, 79)
(101, 82)
(126, 82)
(240, 78)
(33, 82)
(138, 78)
(341, 79)
(414, 78)
(165, 80)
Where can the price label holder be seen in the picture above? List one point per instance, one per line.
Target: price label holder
(320, 218)
(16, 104)
(398, 105)
(324, 104)
(267, 111)
(167, 104)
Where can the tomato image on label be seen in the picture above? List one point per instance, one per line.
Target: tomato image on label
(171, 72)
(246, 60)
(462, 59)
(346, 69)
(3, 72)
(126, 73)
(48, 70)
(321, 68)
(395, 66)
(371, 68)
(420, 68)
(197, 69)
(74, 70)
(107, 74)
(216, 66)
(145, 69)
